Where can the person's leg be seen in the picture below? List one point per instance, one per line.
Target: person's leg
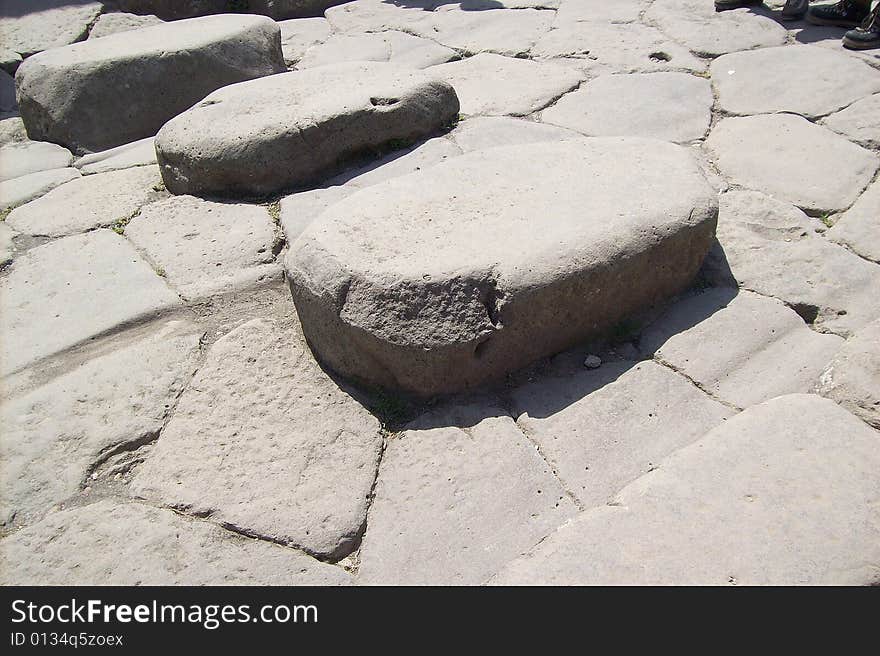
(722, 5)
(867, 35)
(846, 13)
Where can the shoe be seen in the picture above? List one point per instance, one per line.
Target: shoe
(867, 35)
(845, 13)
(724, 5)
(794, 9)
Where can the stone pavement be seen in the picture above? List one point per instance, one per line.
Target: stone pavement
(596, 400)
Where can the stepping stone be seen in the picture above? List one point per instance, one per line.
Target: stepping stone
(480, 132)
(511, 33)
(72, 95)
(859, 121)
(395, 47)
(23, 158)
(492, 84)
(206, 248)
(741, 348)
(453, 505)
(760, 81)
(773, 248)
(300, 34)
(111, 543)
(491, 281)
(88, 202)
(19, 191)
(306, 124)
(265, 442)
(57, 433)
(71, 290)
(114, 23)
(852, 378)
(12, 131)
(784, 493)
(792, 159)
(601, 429)
(613, 105)
(47, 24)
(696, 25)
(137, 153)
(859, 227)
(599, 11)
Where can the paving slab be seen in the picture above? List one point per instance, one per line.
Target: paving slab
(858, 122)
(25, 157)
(116, 22)
(511, 33)
(111, 543)
(859, 227)
(47, 24)
(480, 132)
(391, 46)
(71, 290)
(300, 34)
(852, 378)
(19, 191)
(300, 209)
(792, 159)
(599, 11)
(453, 505)
(378, 15)
(264, 441)
(137, 153)
(54, 435)
(785, 493)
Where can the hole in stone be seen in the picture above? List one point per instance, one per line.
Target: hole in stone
(660, 57)
(806, 311)
(377, 101)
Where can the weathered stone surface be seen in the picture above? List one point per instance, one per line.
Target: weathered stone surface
(88, 202)
(859, 227)
(45, 24)
(783, 493)
(453, 505)
(206, 248)
(72, 95)
(679, 110)
(860, 121)
(137, 153)
(773, 248)
(492, 84)
(23, 158)
(601, 429)
(55, 434)
(298, 127)
(108, 24)
(742, 348)
(392, 46)
(599, 11)
(491, 282)
(696, 25)
(299, 210)
(852, 378)
(509, 33)
(417, 158)
(95, 281)
(21, 190)
(265, 441)
(378, 15)
(110, 543)
(7, 248)
(300, 34)
(759, 81)
(481, 132)
(792, 159)
(12, 130)
(177, 9)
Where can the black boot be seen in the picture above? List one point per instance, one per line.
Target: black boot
(867, 35)
(845, 13)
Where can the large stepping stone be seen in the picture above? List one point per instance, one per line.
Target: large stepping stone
(455, 275)
(21, 190)
(55, 434)
(391, 46)
(46, 24)
(792, 159)
(784, 493)
(741, 348)
(111, 543)
(73, 289)
(859, 122)
(614, 105)
(852, 378)
(26, 157)
(461, 492)
(298, 127)
(601, 429)
(760, 81)
(106, 92)
(264, 441)
(859, 227)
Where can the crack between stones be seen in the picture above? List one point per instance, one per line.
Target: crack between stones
(696, 384)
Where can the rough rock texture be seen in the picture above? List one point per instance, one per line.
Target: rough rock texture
(206, 248)
(392, 46)
(300, 34)
(742, 348)
(18, 191)
(378, 15)
(177, 9)
(55, 434)
(614, 105)
(453, 505)
(773, 248)
(73, 96)
(760, 81)
(265, 441)
(859, 227)
(852, 378)
(491, 281)
(784, 493)
(45, 24)
(110, 543)
(792, 159)
(95, 281)
(12, 131)
(108, 24)
(298, 127)
(482, 132)
(601, 429)
(860, 121)
(88, 202)
(23, 158)
(492, 84)
(137, 153)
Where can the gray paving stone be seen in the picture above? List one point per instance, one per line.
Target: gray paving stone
(47, 24)
(300, 34)
(263, 440)
(859, 122)
(599, 11)
(852, 378)
(137, 153)
(481, 132)
(19, 191)
(511, 33)
(299, 210)
(391, 46)
(378, 15)
(859, 227)
(23, 158)
(70, 290)
(783, 493)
